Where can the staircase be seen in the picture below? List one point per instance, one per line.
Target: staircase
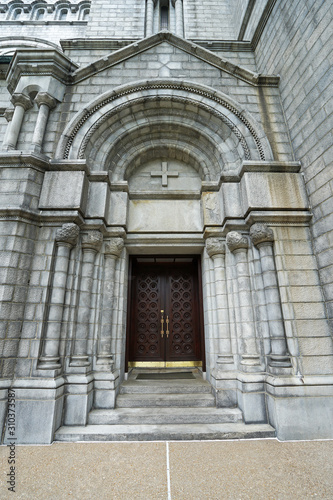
(164, 405)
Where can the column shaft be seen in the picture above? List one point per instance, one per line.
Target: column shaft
(105, 354)
(14, 127)
(179, 18)
(150, 18)
(40, 127)
(222, 305)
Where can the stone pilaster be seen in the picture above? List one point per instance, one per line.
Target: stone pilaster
(238, 245)
(66, 239)
(216, 251)
(263, 238)
(91, 244)
(21, 104)
(45, 103)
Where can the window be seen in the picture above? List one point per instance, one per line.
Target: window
(63, 14)
(17, 14)
(40, 14)
(164, 17)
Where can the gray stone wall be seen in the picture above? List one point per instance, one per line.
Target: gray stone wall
(297, 44)
(117, 18)
(210, 19)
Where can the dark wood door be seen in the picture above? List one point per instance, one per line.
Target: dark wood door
(165, 322)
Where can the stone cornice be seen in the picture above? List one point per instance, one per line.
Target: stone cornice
(39, 62)
(121, 55)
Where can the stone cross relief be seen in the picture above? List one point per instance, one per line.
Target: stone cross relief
(164, 173)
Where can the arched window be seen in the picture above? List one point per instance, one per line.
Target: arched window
(85, 15)
(164, 15)
(40, 14)
(17, 14)
(63, 14)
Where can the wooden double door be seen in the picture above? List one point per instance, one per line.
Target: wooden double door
(165, 321)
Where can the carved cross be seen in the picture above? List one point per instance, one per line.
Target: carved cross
(164, 173)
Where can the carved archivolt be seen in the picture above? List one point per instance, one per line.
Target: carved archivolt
(242, 125)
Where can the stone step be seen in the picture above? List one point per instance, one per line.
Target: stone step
(132, 416)
(179, 432)
(174, 387)
(164, 400)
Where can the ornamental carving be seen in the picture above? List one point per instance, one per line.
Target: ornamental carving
(68, 233)
(22, 100)
(92, 240)
(45, 98)
(260, 233)
(215, 247)
(236, 241)
(114, 247)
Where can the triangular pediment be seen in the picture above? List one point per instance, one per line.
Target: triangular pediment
(185, 46)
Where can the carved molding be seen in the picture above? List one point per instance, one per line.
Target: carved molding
(236, 241)
(215, 247)
(92, 240)
(67, 234)
(114, 247)
(260, 233)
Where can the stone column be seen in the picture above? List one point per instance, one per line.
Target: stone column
(179, 17)
(9, 116)
(45, 103)
(113, 250)
(150, 17)
(22, 103)
(216, 251)
(91, 244)
(66, 238)
(263, 238)
(238, 245)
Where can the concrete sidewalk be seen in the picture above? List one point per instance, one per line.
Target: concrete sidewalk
(249, 469)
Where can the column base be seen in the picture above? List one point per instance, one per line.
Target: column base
(279, 361)
(105, 389)
(79, 360)
(250, 360)
(78, 398)
(49, 363)
(225, 362)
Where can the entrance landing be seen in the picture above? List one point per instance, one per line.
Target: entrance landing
(161, 405)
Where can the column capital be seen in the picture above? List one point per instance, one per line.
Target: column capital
(67, 234)
(8, 114)
(215, 247)
(22, 100)
(236, 241)
(114, 247)
(92, 240)
(45, 98)
(261, 234)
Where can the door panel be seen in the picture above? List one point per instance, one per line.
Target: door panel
(165, 292)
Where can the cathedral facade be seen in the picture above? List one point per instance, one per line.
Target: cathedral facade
(166, 206)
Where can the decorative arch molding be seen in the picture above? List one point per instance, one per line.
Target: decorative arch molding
(84, 125)
(8, 45)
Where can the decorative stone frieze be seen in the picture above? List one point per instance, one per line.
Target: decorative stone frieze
(67, 234)
(236, 241)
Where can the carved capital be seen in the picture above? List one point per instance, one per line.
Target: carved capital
(67, 234)
(8, 114)
(45, 98)
(236, 241)
(215, 247)
(260, 233)
(92, 240)
(114, 247)
(22, 100)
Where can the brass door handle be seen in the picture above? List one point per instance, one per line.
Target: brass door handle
(167, 326)
(162, 323)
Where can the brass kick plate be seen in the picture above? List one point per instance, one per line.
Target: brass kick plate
(164, 364)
